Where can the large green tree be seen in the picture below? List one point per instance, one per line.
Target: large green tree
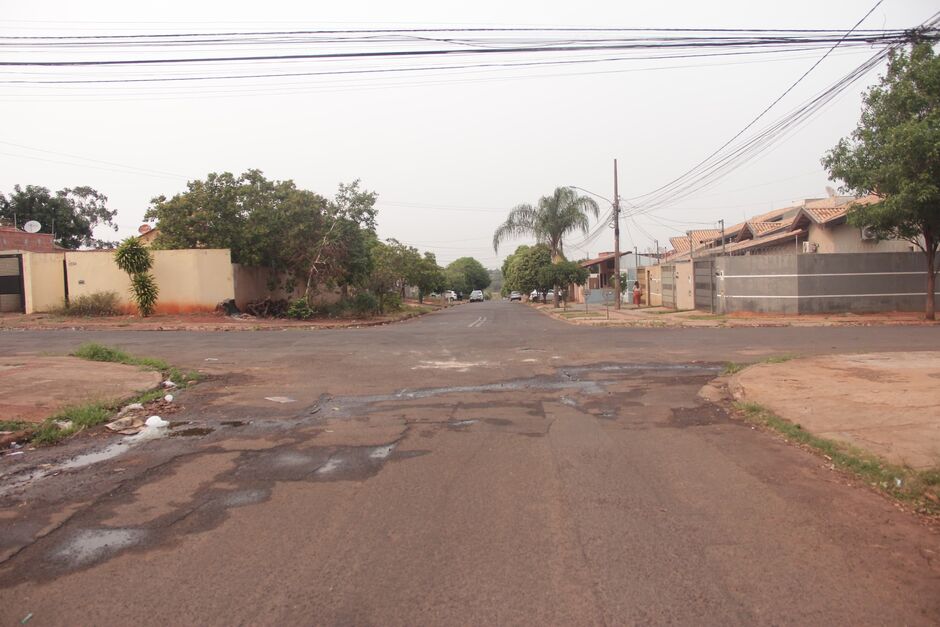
(549, 221)
(71, 213)
(274, 224)
(428, 276)
(525, 269)
(894, 153)
(467, 274)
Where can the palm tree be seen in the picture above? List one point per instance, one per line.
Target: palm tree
(555, 217)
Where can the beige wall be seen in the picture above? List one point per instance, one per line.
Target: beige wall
(685, 298)
(844, 238)
(44, 281)
(189, 280)
(652, 286)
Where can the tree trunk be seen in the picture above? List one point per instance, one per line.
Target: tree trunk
(930, 251)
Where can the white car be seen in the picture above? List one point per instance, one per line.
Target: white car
(450, 295)
(476, 295)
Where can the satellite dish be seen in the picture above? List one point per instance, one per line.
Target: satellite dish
(144, 228)
(32, 227)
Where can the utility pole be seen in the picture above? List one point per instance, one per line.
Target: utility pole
(722, 222)
(656, 241)
(616, 238)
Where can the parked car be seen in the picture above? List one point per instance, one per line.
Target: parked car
(476, 295)
(549, 295)
(450, 295)
(515, 296)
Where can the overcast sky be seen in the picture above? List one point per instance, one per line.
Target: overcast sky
(448, 153)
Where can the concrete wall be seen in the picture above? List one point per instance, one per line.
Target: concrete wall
(253, 283)
(862, 282)
(844, 238)
(764, 283)
(189, 280)
(43, 281)
(815, 283)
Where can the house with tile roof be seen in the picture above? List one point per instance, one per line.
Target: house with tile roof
(804, 258)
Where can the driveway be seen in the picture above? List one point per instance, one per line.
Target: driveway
(482, 464)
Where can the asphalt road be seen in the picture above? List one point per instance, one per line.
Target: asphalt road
(480, 465)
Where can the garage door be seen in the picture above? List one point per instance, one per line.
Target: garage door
(11, 284)
(669, 286)
(705, 285)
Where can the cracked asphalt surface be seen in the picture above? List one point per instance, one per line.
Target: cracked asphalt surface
(445, 470)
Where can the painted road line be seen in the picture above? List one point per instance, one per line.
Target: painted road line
(478, 322)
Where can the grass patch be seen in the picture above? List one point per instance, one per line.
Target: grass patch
(734, 367)
(920, 488)
(97, 352)
(580, 314)
(14, 425)
(80, 416)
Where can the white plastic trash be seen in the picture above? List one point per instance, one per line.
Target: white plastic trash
(156, 421)
(169, 384)
(168, 398)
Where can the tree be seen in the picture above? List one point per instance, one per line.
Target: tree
(295, 233)
(71, 213)
(467, 274)
(550, 221)
(565, 273)
(135, 259)
(524, 270)
(428, 277)
(894, 153)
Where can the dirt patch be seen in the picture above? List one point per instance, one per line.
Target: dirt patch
(33, 388)
(883, 403)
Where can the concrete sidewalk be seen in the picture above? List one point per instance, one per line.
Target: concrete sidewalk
(630, 316)
(885, 403)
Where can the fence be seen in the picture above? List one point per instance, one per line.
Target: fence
(819, 283)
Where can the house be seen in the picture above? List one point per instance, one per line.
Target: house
(14, 284)
(12, 238)
(148, 234)
(803, 258)
(601, 277)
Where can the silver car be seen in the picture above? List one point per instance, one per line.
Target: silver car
(476, 295)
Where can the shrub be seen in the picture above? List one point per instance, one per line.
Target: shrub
(133, 258)
(365, 304)
(391, 302)
(300, 310)
(97, 304)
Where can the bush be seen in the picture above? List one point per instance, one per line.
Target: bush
(391, 302)
(300, 310)
(97, 304)
(364, 304)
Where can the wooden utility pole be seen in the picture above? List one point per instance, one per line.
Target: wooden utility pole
(616, 238)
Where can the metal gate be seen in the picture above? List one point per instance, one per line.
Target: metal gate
(11, 284)
(704, 277)
(669, 286)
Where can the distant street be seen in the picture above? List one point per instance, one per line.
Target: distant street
(484, 464)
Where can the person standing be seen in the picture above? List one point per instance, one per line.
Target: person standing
(637, 293)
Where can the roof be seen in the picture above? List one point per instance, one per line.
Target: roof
(763, 242)
(830, 210)
(680, 244)
(596, 260)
